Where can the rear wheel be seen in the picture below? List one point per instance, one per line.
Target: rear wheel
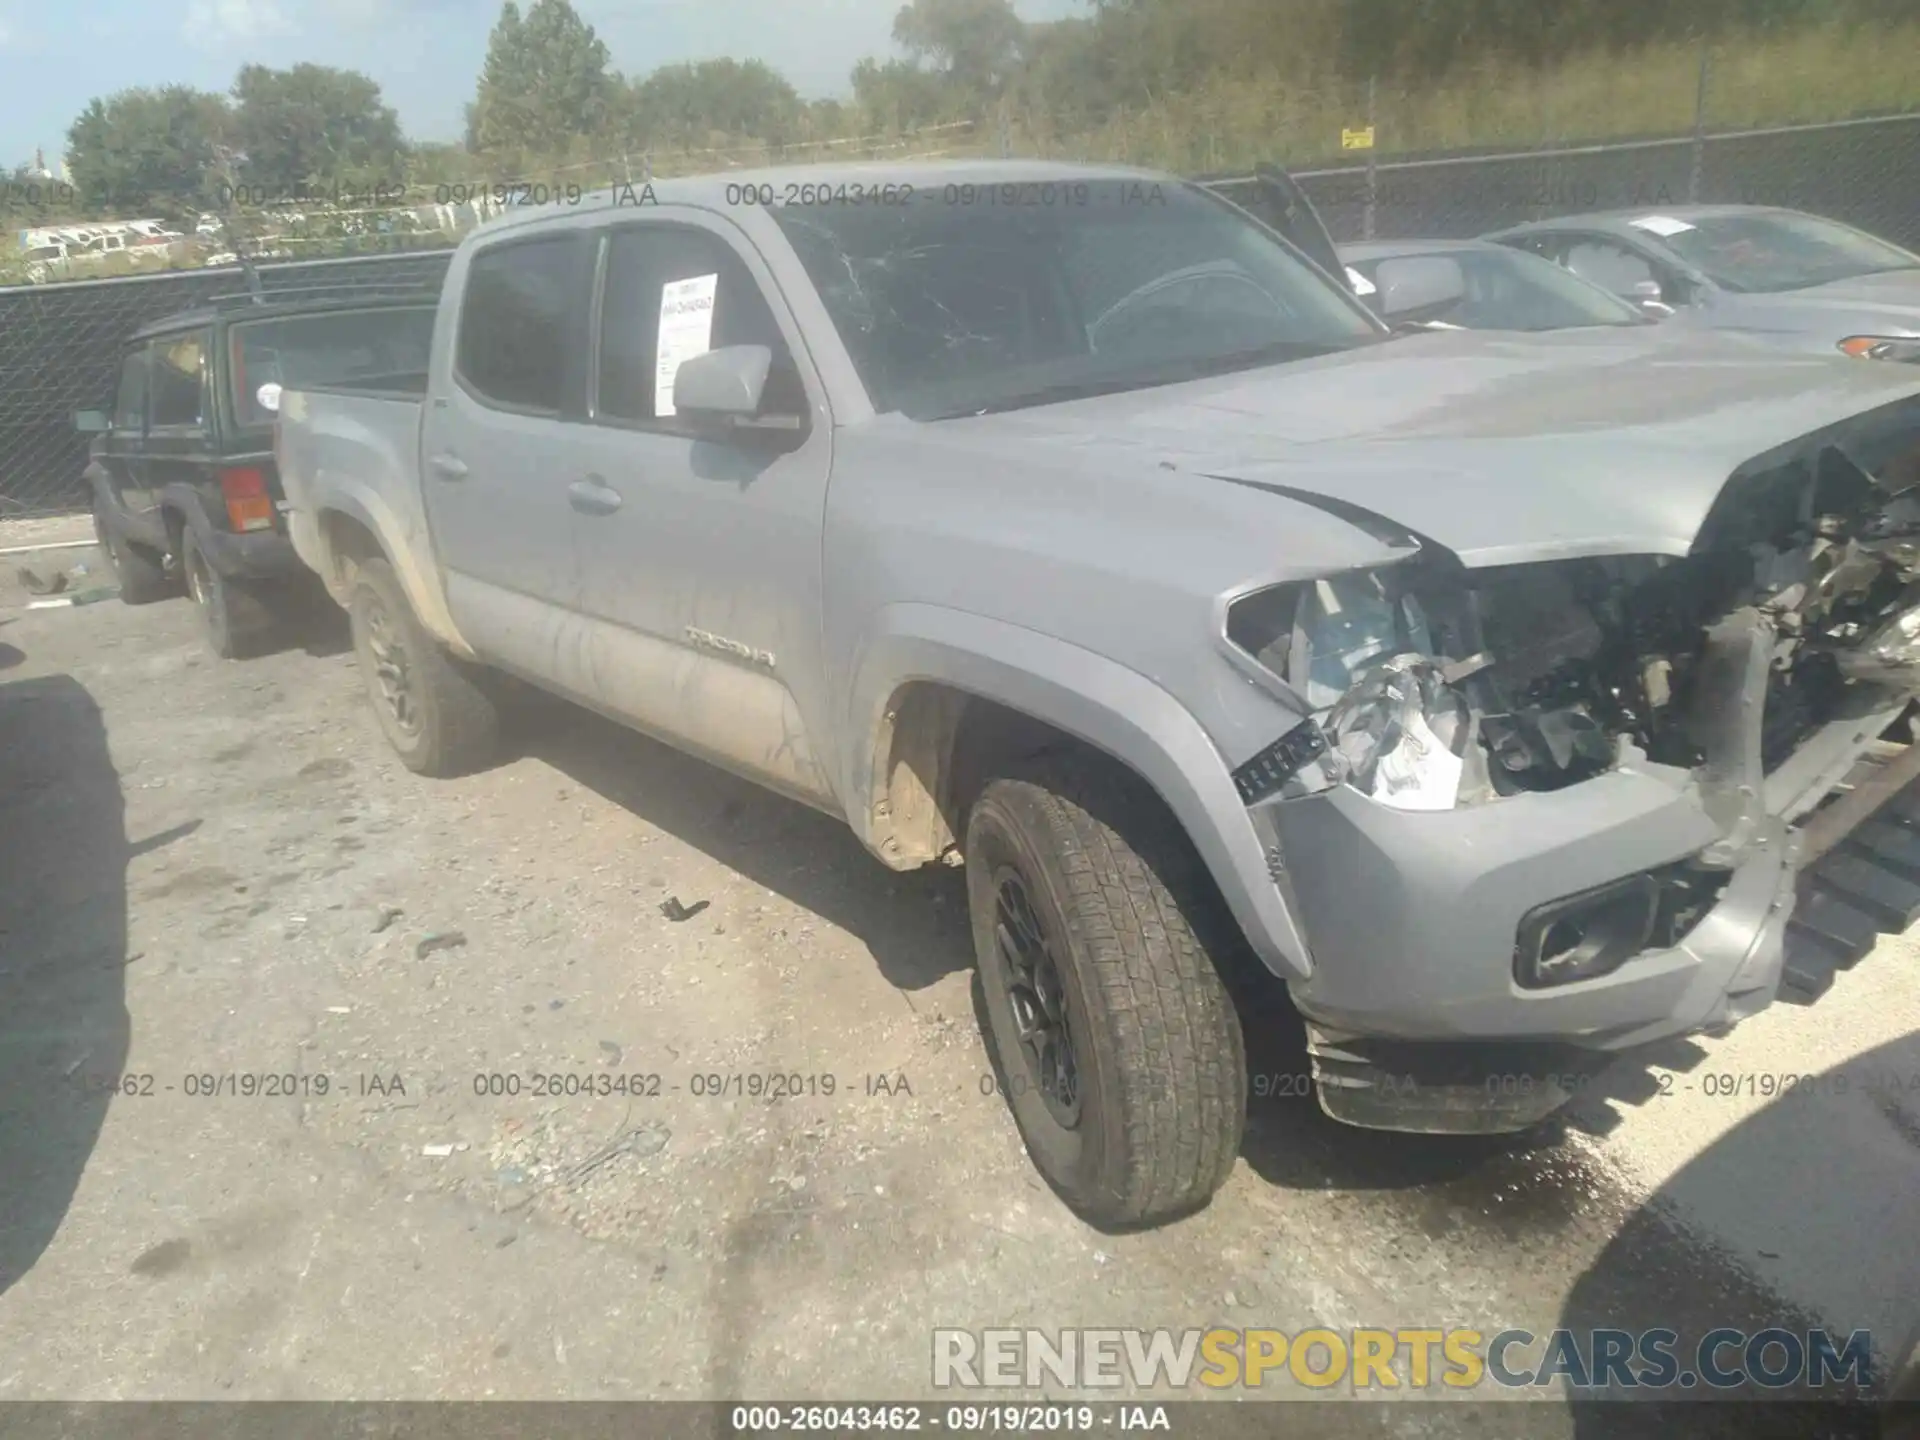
(1117, 1043)
(437, 718)
(141, 574)
(236, 617)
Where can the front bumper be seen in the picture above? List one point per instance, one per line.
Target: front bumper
(1413, 917)
(263, 555)
(1417, 1015)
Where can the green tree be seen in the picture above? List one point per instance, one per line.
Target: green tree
(681, 105)
(312, 123)
(974, 43)
(897, 94)
(545, 81)
(146, 150)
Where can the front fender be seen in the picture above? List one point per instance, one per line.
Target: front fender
(1097, 701)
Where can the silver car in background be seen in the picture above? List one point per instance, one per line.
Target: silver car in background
(1477, 285)
(1803, 280)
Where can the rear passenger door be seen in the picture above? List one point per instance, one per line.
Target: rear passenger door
(179, 448)
(496, 448)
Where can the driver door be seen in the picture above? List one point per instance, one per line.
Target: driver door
(700, 554)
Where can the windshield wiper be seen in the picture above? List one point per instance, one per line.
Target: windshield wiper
(1272, 354)
(1194, 368)
(1046, 395)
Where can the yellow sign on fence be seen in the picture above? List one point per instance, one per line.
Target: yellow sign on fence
(1357, 139)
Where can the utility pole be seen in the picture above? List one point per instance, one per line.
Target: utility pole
(1373, 151)
(235, 232)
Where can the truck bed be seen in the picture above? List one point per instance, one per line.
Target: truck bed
(356, 450)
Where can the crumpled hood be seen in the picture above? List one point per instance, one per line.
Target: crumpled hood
(1886, 304)
(1502, 448)
(1891, 289)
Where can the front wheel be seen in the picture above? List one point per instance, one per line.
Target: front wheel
(1116, 1040)
(437, 718)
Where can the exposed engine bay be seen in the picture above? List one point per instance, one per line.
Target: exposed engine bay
(1435, 685)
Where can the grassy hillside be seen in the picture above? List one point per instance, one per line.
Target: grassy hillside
(1823, 74)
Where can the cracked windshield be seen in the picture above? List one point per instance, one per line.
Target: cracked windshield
(976, 717)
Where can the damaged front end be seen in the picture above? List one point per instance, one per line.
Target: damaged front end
(1438, 686)
(1747, 677)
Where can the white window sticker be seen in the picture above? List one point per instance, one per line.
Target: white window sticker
(686, 330)
(1662, 225)
(1361, 285)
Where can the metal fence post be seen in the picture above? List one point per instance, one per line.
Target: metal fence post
(1373, 164)
(1698, 171)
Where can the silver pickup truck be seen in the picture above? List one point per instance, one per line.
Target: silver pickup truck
(1072, 525)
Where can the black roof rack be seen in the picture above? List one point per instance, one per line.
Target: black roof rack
(246, 299)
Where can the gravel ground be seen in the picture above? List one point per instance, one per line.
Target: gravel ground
(213, 870)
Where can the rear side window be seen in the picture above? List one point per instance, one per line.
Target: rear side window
(374, 348)
(179, 382)
(130, 401)
(522, 324)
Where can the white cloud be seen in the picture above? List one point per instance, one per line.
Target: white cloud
(214, 24)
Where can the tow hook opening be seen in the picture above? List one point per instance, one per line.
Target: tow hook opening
(1594, 933)
(1586, 936)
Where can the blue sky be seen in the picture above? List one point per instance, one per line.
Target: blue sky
(425, 54)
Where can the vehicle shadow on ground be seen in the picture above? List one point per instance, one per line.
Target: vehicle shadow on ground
(1291, 1142)
(63, 934)
(914, 923)
(1816, 1195)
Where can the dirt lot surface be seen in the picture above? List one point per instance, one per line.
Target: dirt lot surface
(216, 871)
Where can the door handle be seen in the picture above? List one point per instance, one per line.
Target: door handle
(449, 467)
(593, 496)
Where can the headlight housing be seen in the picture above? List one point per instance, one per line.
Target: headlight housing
(1359, 651)
(1903, 349)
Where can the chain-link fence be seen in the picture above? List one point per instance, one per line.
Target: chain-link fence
(1865, 172)
(59, 342)
(60, 347)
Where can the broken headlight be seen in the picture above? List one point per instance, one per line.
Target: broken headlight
(1403, 735)
(1359, 651)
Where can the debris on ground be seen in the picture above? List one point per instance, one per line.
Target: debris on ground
(438, 1152)
(385, 917)
(84, 597)
(640, 1142)
(35, 583)
(676, 912)
(440, 940)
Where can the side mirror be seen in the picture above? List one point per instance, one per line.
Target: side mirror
(92, 422)
(722, 386)
(1418, 287)
(1650, 297)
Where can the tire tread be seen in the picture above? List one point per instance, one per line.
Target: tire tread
(1136, 891)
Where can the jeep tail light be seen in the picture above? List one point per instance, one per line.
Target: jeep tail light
(249, 506)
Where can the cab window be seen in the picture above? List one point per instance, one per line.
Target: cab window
(178, 382)
(130, 401)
